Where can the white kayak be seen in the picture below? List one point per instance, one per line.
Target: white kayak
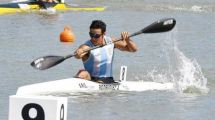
(80, 85)
(71, 85)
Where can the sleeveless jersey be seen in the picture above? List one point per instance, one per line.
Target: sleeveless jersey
(99, 62)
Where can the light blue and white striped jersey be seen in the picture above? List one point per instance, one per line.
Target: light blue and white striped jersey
(99, 63)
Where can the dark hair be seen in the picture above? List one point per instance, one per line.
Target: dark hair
(98, 24)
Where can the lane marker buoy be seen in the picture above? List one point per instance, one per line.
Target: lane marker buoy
(67, 35)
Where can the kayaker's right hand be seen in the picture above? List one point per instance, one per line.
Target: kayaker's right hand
(125, 36)
(79, 53)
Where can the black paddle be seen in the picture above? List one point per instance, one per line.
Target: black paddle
(162, 25)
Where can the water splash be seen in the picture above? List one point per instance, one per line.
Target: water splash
(188, 8)
(186, 74)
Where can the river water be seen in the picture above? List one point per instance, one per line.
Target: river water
(184, 56)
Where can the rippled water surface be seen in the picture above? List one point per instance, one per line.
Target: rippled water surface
(184, 56)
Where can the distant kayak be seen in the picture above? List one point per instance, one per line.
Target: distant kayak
(80, 85)
(15, 7)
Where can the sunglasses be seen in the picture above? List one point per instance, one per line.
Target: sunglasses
(93, 35)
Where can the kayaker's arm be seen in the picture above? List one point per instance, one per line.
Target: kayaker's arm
(126, 44)
(80, 54)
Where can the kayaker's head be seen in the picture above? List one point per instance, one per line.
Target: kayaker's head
(97, 32)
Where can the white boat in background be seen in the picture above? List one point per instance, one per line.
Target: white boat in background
(80, 85)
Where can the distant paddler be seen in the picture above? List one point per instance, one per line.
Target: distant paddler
(45, 4)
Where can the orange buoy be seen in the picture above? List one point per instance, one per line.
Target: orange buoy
(67, 35)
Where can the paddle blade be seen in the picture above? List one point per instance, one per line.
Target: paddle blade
(162, 25)
(47, 62)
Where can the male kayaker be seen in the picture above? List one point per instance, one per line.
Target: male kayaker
(98, 62)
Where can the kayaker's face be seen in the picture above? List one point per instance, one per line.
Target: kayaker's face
(96, 36)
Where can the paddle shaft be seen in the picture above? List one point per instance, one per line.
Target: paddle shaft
(95, 47)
